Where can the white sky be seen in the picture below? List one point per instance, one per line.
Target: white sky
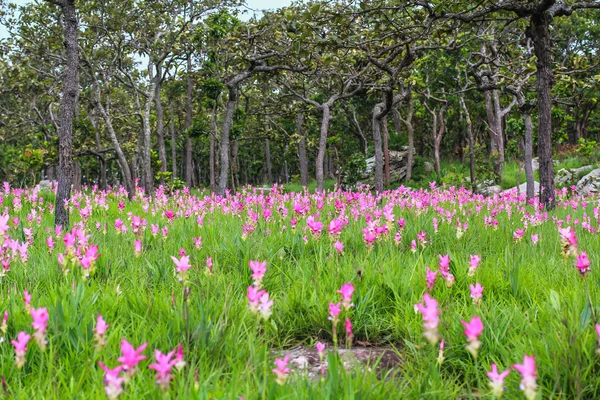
(251, 4)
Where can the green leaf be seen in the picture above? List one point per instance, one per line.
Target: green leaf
(555, 300)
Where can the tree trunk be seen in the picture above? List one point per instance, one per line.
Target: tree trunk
(303, 158)
(160, 129)
(235, 146)
(269, 169)
(68, 107)
(528, 153)
(188, 123)
(377, 142)
(471, 139)
(213, 135)
(231, 102)
(411, 136)
(325, 117)
(173, 141)
(545, 81)
(386, 151)
(76, 176)
(499, 134)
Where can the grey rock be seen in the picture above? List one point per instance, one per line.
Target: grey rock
(398, 167)
(589, 184)
(522, 188)
(45, 185)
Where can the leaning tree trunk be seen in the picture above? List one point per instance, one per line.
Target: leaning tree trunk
(377, 142)
(70, 96)
(528, 153)
(303, 158)
(231, 102)
(545, 81)
(319, 169)
(160, 130)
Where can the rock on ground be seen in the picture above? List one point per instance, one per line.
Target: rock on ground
(589, 184)
(398, 164)
(570, 176)
(522, 188)
(306, 360)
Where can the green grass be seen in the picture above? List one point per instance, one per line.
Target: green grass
(534, 302)
(329, 184)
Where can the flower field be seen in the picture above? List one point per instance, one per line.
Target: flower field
(190, 295)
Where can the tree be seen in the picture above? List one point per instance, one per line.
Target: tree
(70, 95)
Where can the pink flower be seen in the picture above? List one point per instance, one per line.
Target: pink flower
(440, 358)
(476, 293)
(253, 296)
(497, 380)
(473, 330)
(413, 246)
(597, 332)
(346, 291)
(349, 334)
(50, 243)
(281, 371)
(445, 270)
(444, 262)
(162, 366)
(130, 357)
(138, 248)
(20, 348)
(27, 298)
(209, 264)
(334, 312)
(258, 271)
(528, 376)
(473, 264)
(583, 263)
(429, 310)
(421, 237)
(264, 306)
(518, 234)
(179, 361)
(182, 265)
(535, 238)
(321, 349)
(100, 331)
(198, 242)
(40, 323)
(4, 224)
(339, 246)
(335, 227)
(4, 326)
(315, 226)
(113, 382)
(431, 275)
(369, 237)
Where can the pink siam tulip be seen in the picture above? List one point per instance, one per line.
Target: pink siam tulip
(3, 226)
(497, 380)
(476, 293)
(334, 312)
(40, 324)
(100, 332)
(321, 350)
(445, 270)
(112, 381)
(179, 360)
(27, 298)
(346, 291)
(397, 238)
(413, 246)
(535, 238)
(209, 265)
(137, 248)
(429, 310)
(339, 247)
(130, 357)
(335, 227)
(21, 348)
(253, 296)
(369, 237)
(50, 243)
(4, 326)
(569, 241)
(528, 377)
(430, 277)
(282, 371)
(182, 267)
(597, 332)
(473, 330)
(518, 235)
(258, 271)
(163, 365)
(583, 263)
(440, 358)
(349, 334)
(421, 237)
(264, 306)
(198, 243)
(315, 226)
(473, 264)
